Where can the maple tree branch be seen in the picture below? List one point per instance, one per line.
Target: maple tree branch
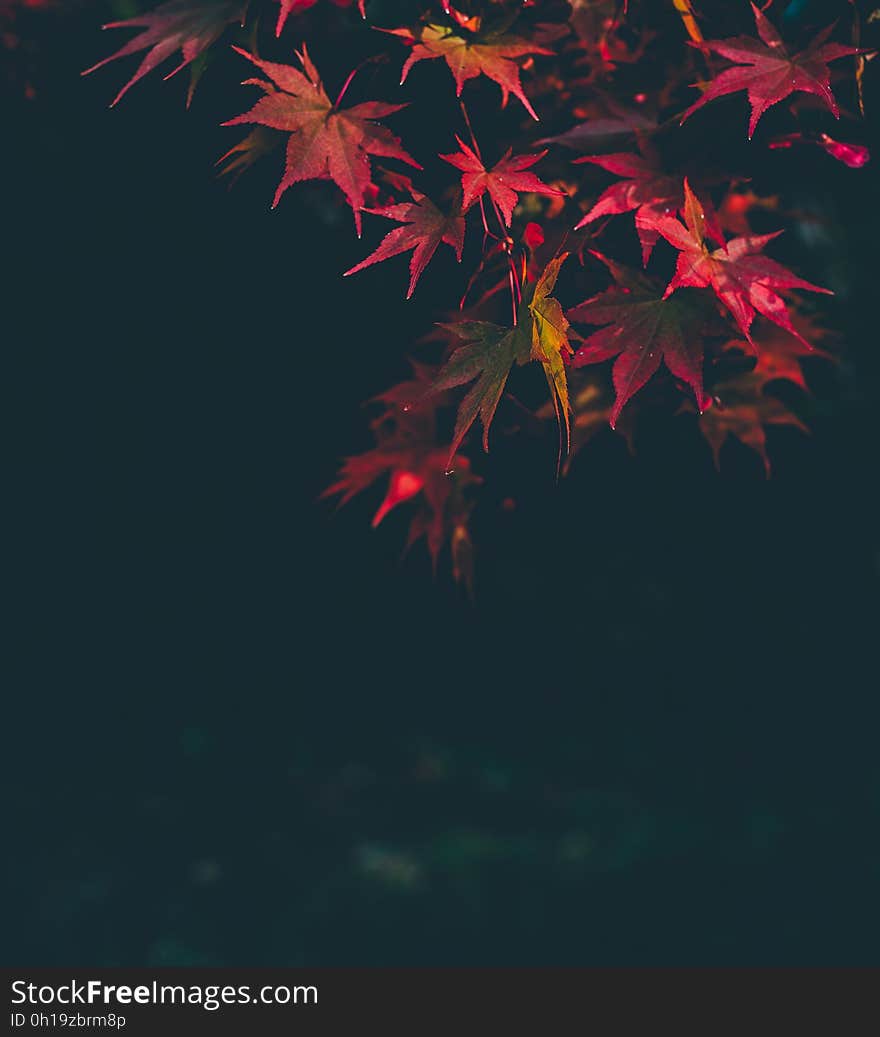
(644, 323)
(505, 239)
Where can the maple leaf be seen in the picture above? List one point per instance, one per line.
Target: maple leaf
(407, 453)
(769, 73)
(647, 191)
(550, 344)
(488, 356)
(325, 141)
(741, 408)
(644, 328)
(425, 228)
(643, 186)
(541, 334)
(249, 150)
(745, 281)
(490, 54)
(607, 122)
(188, 26)
(504, 181)
(780, 354)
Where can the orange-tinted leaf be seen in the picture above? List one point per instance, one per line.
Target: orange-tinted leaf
(469, 56)
(550, 344)
(741, 408)
(780, 354)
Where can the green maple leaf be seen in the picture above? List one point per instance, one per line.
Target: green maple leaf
(491, 350)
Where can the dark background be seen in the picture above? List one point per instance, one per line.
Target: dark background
(240, 731)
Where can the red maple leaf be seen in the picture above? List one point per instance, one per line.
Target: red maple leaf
(745, 281)
(504, 181)
(769, 73)
(644, 329)
(470, 56)
(407, 452)
(741, 408)
(647, 191)
(325, 141)
(425, 228)
(188, 26)
(780, 354)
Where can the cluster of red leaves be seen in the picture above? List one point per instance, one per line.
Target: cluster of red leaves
(725, 294)
(407, 451)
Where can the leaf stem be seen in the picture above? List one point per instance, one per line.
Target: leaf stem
(351, 76)
(505, 240)
(473, 136)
